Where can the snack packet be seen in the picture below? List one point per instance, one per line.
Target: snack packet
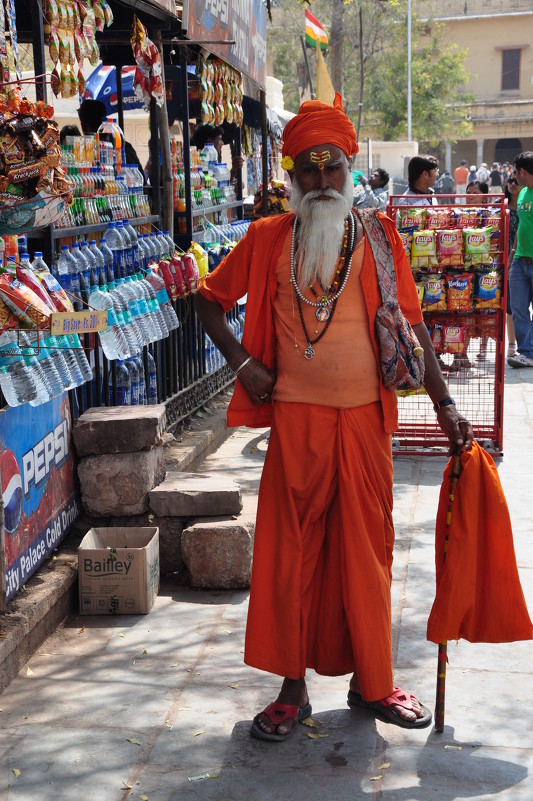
(454, 337)
(434, 294)
(412, 218)
(487, 290)
(424, 250)
(459, 292)
(438, 217)
(450, 248)
(477, 245)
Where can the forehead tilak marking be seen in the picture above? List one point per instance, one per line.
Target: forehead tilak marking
(320, 157)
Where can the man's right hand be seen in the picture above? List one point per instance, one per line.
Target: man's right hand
(258, 381)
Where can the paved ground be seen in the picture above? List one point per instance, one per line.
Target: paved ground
(159, 707)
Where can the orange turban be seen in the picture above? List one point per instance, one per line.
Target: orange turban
(318, 123)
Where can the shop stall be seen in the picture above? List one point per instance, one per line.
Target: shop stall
(458, 255)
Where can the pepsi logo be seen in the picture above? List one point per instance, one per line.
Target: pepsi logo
(11, 491)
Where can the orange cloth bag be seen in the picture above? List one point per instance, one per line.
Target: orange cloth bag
(479, 597)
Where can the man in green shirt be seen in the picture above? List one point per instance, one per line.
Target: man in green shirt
(521, 275)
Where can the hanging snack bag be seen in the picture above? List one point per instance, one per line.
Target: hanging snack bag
(438, 217)
(406, 235)
(466, 218)
(477, 246)
(436, 334)
(27, 306)
(412, 218)
(434, 294)
(492, 218)
(424, 250)
(459, 292)
(450, 248)
(454, 338)
(420, 289)
(487, 290)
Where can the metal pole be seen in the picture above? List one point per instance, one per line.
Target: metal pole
(307, 65)
(409, 119)
(264, 150)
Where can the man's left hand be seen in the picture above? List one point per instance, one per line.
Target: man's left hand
(458, 430)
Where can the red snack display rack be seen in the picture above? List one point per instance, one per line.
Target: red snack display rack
(477, 384)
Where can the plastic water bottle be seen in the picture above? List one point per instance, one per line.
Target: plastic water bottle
(134, 380)
(158, 284)
(149, 301)
(90, 258)
(78, 353)
(156, 247)
(131, 234)
(60, 364)
(83, 267)
(151, 388)
(123, 385)
(115, 244)
(64, 349)
(67, 272)
(112, 340)
(16, 381)
(30, 351)
(170, 242)
(209, 353)
(126, 246)
(107, 255)
(47, 369)
(163, 246)
(123, 313)
(142, 385)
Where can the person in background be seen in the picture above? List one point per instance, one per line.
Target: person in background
(374, 194)
(495, 179)
(477, 188)
(68, 130)
(91, 113)
(445, 185)
(472, 175)
(461, 178)
(483, 174)
(321, 576)
(214, 134)
(512, 190)
(422, 173)
(521, 275)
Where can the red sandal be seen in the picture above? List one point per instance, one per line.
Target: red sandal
(383, 708)
(277, 714)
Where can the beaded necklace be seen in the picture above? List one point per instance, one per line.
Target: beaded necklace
(326, 304)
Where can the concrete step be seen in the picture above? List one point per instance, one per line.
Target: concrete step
(195, 495)
(218, 553)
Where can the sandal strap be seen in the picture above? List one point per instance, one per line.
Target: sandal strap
(400, 698)
(279, 713)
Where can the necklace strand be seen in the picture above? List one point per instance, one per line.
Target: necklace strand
(321, 304)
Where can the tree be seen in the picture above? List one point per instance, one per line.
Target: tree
(438, 77)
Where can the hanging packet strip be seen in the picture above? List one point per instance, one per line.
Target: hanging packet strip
(438, 218)
(454, 338)
(450, 248)
(434, 294)
(459, 292)
(424, 250)
(412, 218)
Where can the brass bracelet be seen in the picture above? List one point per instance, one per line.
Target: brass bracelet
(243, 365)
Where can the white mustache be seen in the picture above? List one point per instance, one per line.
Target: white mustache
(315, 194)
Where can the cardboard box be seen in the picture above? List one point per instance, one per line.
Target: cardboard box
(118, 571)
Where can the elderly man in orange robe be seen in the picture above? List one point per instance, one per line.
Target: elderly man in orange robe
(308, 366)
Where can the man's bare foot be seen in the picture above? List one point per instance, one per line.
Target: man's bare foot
(416, 712)
(294, 693)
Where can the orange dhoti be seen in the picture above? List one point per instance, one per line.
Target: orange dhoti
(321, 577)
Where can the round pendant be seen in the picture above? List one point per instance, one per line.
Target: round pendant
(322, 314)
(309, 352)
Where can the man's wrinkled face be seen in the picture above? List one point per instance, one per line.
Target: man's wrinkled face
(320, 169)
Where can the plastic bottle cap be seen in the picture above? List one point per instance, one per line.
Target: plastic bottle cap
(92, 241)
(38, 254)
(63, 247)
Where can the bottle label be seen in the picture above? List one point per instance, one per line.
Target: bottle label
(162, 296)
(123, 395)
(50, 282)
(152, 386)
(127, 316)
(134, 308)
(111, 318)
(9, 354)
(66, 282)
(143, 306)
(134, 394)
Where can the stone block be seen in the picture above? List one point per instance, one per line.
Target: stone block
(218, 554)
(118, 484)
(120, 429)
(170, 558)
(195, 495)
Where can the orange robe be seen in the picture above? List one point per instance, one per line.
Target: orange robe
(320, 593)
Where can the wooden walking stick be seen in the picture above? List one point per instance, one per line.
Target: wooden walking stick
(442, 659)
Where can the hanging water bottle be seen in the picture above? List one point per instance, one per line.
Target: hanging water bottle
(51, 376)
(134, 380)
(67, 272)
(123, 385)
(170, 243)
(30, 351)
(158, 284)
(116, 245)
(82, 268)
(79, 356)
(90, 258)
(16, 382)
(151, 389)
(98, 257)
(107, 255)
(112, 340)
(123, 313)
(142, 385)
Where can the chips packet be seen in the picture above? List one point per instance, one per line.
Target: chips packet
(459, 292)
(477, 245)
(454, 337)
(412, 218)
(450, 248)
(424, 250)
(434, 294)
(487, 290)
(438, 217)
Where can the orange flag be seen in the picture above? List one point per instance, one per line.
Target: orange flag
(479, 597)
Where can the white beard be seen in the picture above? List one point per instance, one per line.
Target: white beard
(321, 232)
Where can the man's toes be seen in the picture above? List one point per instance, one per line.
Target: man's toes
(265, 724)
(406, 714)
